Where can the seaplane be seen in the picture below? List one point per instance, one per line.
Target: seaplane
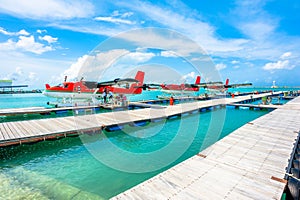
(190, 89)
(174, 90)
(220, 86)
(82, 92)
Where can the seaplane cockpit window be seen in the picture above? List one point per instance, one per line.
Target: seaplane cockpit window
(66, 85)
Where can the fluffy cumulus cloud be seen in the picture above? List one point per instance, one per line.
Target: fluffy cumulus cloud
(283, 63)
(73, 70)
(47, 9)
(190, 77)
(48, 38)
(28, 44)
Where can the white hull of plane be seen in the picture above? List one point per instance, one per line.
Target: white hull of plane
(178, 92)
(72, 95)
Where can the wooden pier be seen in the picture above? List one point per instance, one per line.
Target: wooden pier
(19, 132)
(249, 163)
(255, 106)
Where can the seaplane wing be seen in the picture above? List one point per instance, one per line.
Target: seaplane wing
(220, 86)
(174, 88)
(117, 81)
(208, 84)
(238, 85)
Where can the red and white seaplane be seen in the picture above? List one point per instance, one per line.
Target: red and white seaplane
(91, 91)
(180, 89)
(220, 87)
(189, 89)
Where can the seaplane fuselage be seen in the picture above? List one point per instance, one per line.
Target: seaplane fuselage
(90, 89)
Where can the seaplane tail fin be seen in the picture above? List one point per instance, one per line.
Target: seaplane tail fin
(47, 86)
(227, 82)
(140, 77)
(197, 80)
(136, 88)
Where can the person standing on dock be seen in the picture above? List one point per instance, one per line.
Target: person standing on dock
(110, 96)
(104, 95)
(171, 101)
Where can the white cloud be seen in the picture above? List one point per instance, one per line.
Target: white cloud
(137, 57)
(257, 30)
(32, 77)
(220, 66)
(73, 70)
(190, 77)
(25, 44)
(41, 31)
(168, 54)
(234, 62)
(114, 20)
(21, 32)
(127, 14)
(47, 9)
(29, 44)
(48, 38)
(286, 55)
(116, 13)
(285, 64)
(117, 18)
(190, 25)
(16, 75)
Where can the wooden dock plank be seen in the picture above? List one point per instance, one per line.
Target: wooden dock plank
(42, 127)
(5, 134)
(2, 138)
(33, 131)
(13, 129)
(26, 132)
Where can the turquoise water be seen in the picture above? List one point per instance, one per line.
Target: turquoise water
(23, 100)
(106, 164)
(70, 167)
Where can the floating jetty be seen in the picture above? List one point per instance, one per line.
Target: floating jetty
(250, 163)
(28, 131)
(255, 106)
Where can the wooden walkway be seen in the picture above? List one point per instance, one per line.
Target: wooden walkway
(19, 132)
(250, 163)
(255, 106)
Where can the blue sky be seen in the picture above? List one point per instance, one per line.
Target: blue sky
(248, 40)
